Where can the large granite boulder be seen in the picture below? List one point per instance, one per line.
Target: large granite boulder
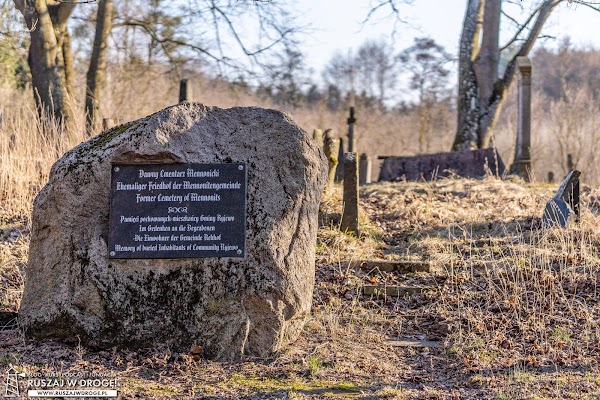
(231, 307)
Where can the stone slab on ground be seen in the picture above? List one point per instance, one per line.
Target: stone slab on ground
(393, 291)
(400, 266)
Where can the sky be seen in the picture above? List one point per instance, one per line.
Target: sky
(336, 25)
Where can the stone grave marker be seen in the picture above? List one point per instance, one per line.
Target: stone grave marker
(193, 228)
(185, 90)
(350, 213)
(364, 169)
(564, 204)
(467, 164)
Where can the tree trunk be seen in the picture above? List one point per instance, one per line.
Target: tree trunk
(467, 132)
(50, 58)
(96, 75)
(481, 89)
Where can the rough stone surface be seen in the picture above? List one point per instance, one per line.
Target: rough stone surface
(468, 164)
(229, 307)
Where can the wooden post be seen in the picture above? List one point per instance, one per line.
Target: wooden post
(339, 172)
(350, 214)
(522, 163)
(331, 146)
(550, 177)
(185, 90)
(107, 123)
(364, 170)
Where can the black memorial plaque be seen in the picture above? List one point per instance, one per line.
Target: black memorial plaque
(177, 210)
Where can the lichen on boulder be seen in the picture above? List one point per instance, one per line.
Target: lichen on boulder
(231, 307)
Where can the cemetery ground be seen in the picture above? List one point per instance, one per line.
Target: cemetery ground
(507, 310)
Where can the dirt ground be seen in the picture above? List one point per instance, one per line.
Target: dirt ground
(508, 310)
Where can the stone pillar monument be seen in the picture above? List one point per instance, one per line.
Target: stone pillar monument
(522, 164)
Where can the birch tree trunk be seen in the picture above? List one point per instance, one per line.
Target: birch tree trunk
(96, 75)
(50, 57)
(482, 86)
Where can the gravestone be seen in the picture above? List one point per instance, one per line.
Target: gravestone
(185, 90)
(364, 169)
(339, 171)
(350, 213)
(194, 227)
(564, 204)
(467, 164)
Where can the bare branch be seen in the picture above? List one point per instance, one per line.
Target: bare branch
(394, 11)
(521, 28)
(593, 5)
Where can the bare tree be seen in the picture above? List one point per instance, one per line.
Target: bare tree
(96, 75)
(289, 77)
(207, 29)
(427, 64)
(376, 69)
(371, 70)
(486, 69)
(50, 56)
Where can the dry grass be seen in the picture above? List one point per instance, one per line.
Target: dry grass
(516, 306)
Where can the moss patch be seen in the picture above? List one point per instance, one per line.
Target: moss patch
(110, 134)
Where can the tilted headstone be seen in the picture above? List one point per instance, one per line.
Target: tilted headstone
(350, 212)
(467, 164)
(195, 226)
(559, 209)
